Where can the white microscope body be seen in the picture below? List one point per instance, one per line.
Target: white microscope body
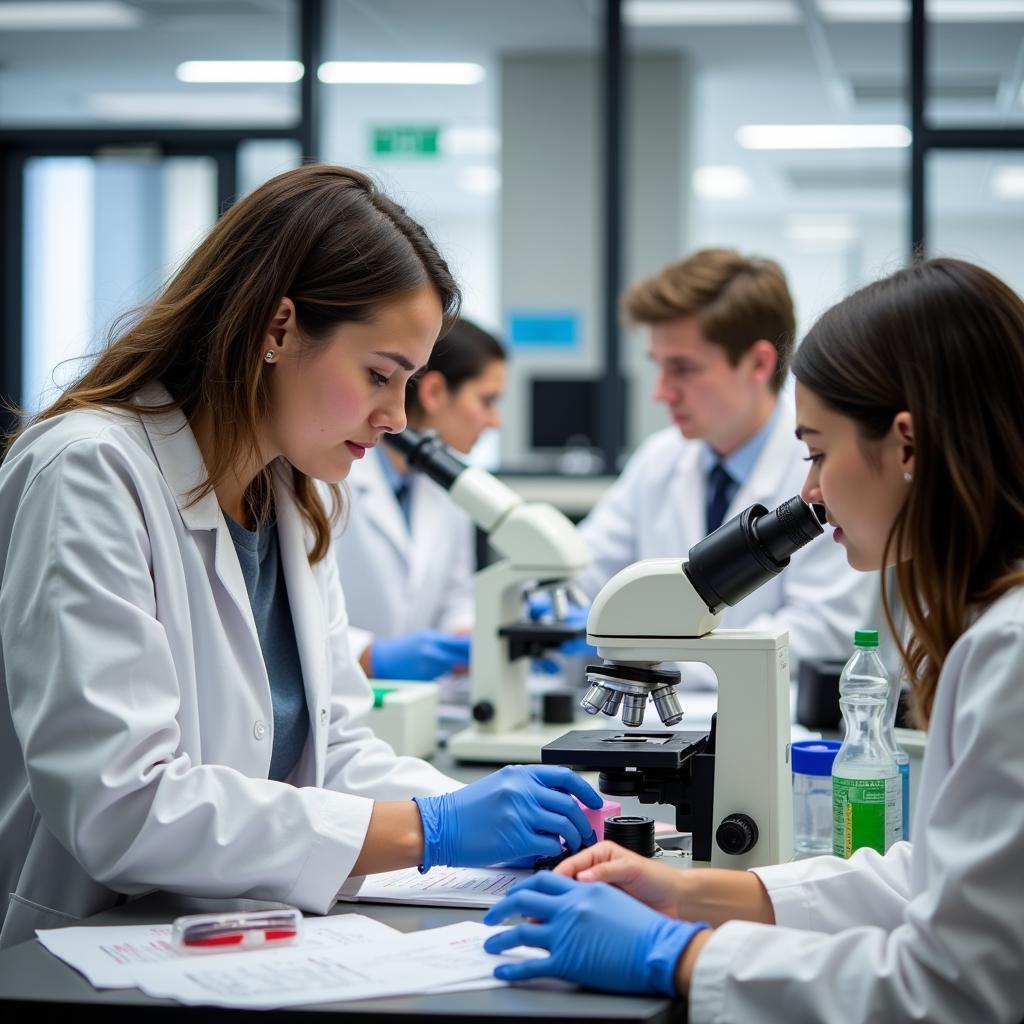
(731, 788)
(538, 545)
(540, 549)
(650, 613)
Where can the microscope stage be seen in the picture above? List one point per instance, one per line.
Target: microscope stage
(596, 749)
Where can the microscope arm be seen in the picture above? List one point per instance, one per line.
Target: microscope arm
(534, 537)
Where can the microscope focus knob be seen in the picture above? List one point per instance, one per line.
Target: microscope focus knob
(736, 834)
(483, 711)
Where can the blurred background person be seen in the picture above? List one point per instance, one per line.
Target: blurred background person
(406, 554)
(721, 333)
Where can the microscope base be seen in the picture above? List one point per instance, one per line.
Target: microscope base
(515, 746)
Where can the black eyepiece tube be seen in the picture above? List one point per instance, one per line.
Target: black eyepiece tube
(750, 549)
(792, 525)
(428, 453)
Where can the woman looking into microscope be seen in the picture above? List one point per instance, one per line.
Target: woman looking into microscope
(908, 398)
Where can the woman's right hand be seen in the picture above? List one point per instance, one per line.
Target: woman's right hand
(715, 895)
(644, 879)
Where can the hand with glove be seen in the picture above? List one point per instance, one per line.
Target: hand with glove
(515, 814)
(541, 609)
(424, 654)
(597, 936)
(660, 887)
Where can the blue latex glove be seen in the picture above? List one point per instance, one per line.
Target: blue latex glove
(597, 935)
(425, 654)
(517, 812)
(540, 608)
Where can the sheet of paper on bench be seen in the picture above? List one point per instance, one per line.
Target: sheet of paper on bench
(404, 964)
(440, 887)
(117, 956)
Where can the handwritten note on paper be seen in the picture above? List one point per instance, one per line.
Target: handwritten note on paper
(439, 887)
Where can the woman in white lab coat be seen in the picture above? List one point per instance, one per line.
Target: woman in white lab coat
(908, 398)
(406, 552)
(182, 710)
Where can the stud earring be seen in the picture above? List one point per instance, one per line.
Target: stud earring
(908, 477)
(269, 356)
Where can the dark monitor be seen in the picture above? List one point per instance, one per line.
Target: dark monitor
(565, 412)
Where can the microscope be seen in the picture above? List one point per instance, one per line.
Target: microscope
(731, 788)
(540, 552)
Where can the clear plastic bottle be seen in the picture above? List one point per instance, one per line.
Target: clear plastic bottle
(865, 672)
(866, 776)
(866, 798)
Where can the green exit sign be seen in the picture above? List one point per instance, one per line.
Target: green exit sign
(404, 141)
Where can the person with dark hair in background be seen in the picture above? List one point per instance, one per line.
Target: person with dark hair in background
(721, 331)
(406, 553)
(181, 710)
(908, 399)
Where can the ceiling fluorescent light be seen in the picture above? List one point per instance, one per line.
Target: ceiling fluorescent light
(1008, 182)
(864, 10)
(666, 13)
(399, 73)
(823, 136)
(248, 108)
(240, 71)
(938, 10)
(722, 182)
(42, 16)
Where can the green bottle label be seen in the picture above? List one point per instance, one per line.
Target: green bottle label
(858, 815)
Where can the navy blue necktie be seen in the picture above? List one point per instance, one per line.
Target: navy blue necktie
(404, 499)
(720, 491)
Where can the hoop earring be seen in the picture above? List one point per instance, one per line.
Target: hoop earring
(269, 356)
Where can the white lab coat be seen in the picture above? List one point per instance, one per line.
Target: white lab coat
(657, 509)
(398, 578)
(136, 737)
(934, 930)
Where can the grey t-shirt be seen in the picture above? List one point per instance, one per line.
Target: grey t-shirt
(260, 559)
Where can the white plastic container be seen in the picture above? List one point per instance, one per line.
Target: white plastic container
(812, 796)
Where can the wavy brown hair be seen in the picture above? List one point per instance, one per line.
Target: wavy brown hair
(944, 340)
(324, 236)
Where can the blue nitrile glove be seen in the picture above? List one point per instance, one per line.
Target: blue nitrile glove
(425, 654)
(540, 607)
(515, 813)
(597, 935)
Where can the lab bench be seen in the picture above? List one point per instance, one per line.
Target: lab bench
(33, 982)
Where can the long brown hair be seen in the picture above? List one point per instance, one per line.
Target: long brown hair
(944, 340)
(324, 236)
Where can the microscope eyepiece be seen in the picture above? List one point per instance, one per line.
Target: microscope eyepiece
(788, 528)
(750, 549)
(428, 453)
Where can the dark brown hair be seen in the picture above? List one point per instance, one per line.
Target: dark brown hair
(737, 300)
(466, 351)
(324, 236)
(943, 340)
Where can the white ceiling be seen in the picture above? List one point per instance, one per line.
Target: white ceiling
(743, 74)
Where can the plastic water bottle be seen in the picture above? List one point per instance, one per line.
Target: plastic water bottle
(867, 794)
(863, 673)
